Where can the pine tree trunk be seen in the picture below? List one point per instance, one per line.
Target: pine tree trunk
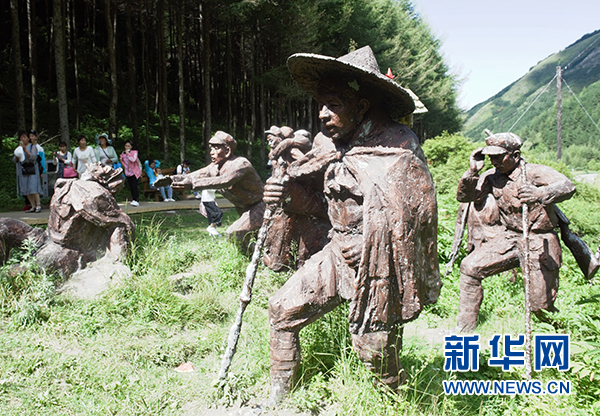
(132, 78)
(109, 15)
(146, 92)
(310, 115)
(16, 49)
(32, 60)
(162, 80)
(252, 130)
(58, 25)
(50, 61)
(263, 127)
(244, 90)
(76, 68)
(93, 24)
(207, 128)
(228, 54)
(180, 29)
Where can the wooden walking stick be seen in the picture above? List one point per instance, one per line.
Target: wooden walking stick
(526, 277)
(246, 295)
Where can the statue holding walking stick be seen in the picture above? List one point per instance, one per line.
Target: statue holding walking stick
(295, 233)
(382, 253)
(520, 219)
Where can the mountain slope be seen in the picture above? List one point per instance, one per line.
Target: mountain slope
(581, 69)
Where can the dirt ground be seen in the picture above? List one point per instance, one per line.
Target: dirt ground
(250, 410)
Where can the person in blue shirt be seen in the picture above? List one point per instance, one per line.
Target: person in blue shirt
(151, 167)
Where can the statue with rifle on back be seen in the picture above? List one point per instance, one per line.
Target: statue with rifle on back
(500, 202)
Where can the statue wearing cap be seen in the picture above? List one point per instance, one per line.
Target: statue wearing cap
(236, 179)
(295, 233)
(498, 196)
(382, 254)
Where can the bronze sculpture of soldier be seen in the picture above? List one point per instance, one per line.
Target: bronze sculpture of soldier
(498, 196)
(235, 178)
(382, 254)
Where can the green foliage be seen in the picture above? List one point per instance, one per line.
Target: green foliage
(323, 344)
(586, 362)
(402, 41)
(448, 158)
(8, 185)
(26, 290)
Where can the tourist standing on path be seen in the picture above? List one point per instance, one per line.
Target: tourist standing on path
(82, 155)
(63, 158)
(33, 138)
(105, 153)
(208, 205)
(132, 168)
(28, 171)
(214, 214)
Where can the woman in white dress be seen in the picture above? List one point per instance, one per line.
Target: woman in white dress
(82, 155)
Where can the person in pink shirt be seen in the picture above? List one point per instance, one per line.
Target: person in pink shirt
(133, 170)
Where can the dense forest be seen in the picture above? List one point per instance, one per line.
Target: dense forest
(167, 74)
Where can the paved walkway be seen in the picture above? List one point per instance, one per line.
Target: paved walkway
(145, 206)
(587, 177)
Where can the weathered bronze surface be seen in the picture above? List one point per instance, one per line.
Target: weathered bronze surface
(85, 222)
(236, 179)
(495, 224)
(382, 253)
(295, 233)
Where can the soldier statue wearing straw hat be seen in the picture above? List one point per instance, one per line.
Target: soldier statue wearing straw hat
(382, 256)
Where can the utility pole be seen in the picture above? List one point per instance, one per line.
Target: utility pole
(559, 112)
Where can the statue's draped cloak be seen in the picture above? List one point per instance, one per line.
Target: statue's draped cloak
(398, 273)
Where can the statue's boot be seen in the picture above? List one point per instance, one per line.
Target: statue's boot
(380, 353)
(285, 360)
(471, 296)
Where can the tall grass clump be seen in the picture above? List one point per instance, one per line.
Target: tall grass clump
(172, 280)
(26, 289)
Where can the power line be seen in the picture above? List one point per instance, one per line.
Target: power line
(588, 114)
(536, 98)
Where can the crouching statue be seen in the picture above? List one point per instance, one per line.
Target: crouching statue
(85, 223)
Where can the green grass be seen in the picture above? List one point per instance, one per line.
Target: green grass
(117, 354)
